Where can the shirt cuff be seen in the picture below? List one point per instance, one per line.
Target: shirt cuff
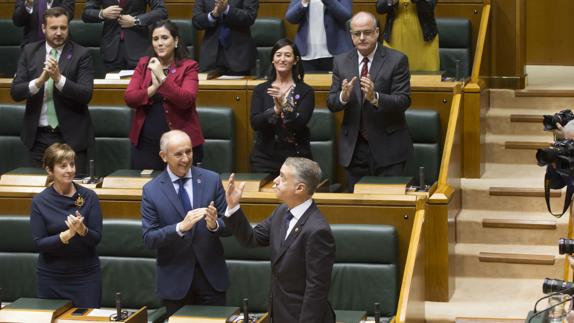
(100, 14)
(216, 227)
(229, 212)
(32, 87)
(226, 10)
(304, 5)
(375, 102)
(179, 233)
(341, 98)
(61, 83)
(29, 10)
(211, 18)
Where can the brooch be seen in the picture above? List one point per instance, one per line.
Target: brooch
(79, 201)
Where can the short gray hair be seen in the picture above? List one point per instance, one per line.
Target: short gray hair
(362, 13)
(167, 136)
(305, 171)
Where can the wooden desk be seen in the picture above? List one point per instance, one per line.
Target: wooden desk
(209, 314)
(140, 316)
(33, 310)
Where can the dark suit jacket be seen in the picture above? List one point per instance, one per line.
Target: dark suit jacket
(137, 39)
(300, 266)
(179, 93)
(337, 13)
(241, 53)
(30, 22)
(425, 13)
(389, 138)
(161, 210)
(269, 127)
(71, 103)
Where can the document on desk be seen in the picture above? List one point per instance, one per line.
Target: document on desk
(98, 312)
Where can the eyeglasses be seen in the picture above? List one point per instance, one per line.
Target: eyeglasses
(366, 33)
(180, 154)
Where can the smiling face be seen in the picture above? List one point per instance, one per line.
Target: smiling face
(284, 59)
(63, 172)
(56, 31)
(178, 154)
(163, 43)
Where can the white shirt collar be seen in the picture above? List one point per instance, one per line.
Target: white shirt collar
(300, 209)
(49, 49)
(174, 177)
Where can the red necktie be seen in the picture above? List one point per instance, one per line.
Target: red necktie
(122, 34)
(365, 68)
(364, 72)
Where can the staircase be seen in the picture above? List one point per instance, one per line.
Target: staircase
(506, 239)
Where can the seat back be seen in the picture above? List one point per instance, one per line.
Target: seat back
(187, 33)
(10, 144)
(455, 44)
(88, 35)
(112, 150)
(323, 134)
(10, 39)
(424, 128)
(266, 32)
(218, 127)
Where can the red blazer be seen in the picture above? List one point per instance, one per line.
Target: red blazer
(179, 92)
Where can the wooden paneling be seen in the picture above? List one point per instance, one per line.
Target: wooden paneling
(516, 258)
(548, 26)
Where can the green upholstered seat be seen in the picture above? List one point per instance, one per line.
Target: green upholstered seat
(187, 33)
(266, 32)
(89, 35)
(10, 39)
(218, 126)
(112, 150)
(455, 43)
(425, 130)
(10, 144)
(323, 134)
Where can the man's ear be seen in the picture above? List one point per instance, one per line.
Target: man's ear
(163, 156)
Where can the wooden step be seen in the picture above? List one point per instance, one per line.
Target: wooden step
(533, 145)
(545, 93)
(531, 118)
(516, 258)
(519, 224)
(522, 191)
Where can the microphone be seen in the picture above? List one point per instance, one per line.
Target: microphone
(118, 306)
(569, 298)
(245, 308)
(377, 313)
(91, 171)
(422, 186)
(0, 298)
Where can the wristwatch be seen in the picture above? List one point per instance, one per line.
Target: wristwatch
(137, 21)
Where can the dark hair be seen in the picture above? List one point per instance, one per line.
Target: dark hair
(54, 12)
(297, 72)
(180, 52)
(305, 171)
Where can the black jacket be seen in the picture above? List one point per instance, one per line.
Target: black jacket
(425, 11)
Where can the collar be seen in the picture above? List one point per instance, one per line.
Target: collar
(174, 177)
(371, 56)
(49, 49)
(300, 209)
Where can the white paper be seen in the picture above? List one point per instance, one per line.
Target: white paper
(102, 312)
(231, 77)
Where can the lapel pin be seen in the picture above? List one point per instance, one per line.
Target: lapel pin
(69, 56)
(297, 229)
(199, 181)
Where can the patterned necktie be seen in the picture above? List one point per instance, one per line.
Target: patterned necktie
(42, 6)
(51, 111)
(364, 73)
(182, 194)
(365, 68)
(286, 225)
(224, 35)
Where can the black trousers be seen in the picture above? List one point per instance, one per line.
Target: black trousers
(320, 65)
(200, 293)
(363, 164)
(45, 137)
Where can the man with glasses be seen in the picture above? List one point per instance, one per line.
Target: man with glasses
(371, 83)
(190, 264)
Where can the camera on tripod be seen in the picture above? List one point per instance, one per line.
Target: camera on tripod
(562, 117)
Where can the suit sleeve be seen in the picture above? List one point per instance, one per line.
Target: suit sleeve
(43, 241)
(319, 260)
(333, 102)
(19, 89)
(157, 12)
(221, 206)
(296, 13)
(155, 235)
(91, 11)
(262, 117)
(242, 17)
(428, 3)
(94, 223)
(246, 235)
(383, 7)
(303, 111)
(342, 10)
(69, 5)
(200, 12)
(400, 97)
(182, 96)
(20, 17)
(80, 90)
(136, 95)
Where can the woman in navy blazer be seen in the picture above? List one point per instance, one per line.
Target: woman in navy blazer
(322, 31)
(163, 90)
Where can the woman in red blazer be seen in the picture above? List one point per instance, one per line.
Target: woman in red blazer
(162, 91)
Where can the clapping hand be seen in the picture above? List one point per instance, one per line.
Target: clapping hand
(112, 12)
(219, 8)
(76, 224)
(211, 217)
(233, 193)
(368, 88)
(51, 67)
(346, 88)
(191, 218)
(127, 21)
(278, 97)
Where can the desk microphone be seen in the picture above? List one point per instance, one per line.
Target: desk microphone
(118, 306)
(91, 170)
(422, 186)
(377, 313)
(0, 298)
(245, 307)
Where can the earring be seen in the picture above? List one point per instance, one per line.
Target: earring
(175, 45)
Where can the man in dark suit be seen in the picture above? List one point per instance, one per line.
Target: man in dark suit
(371, 83)
(302, 245)
(56, 78)
(30, 14)
(227, 44)
(125, 37)
(190, 264)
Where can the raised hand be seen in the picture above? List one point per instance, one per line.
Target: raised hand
(233, 192)
(211, 217)
(347, 88)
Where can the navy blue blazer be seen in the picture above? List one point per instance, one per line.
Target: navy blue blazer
(337, 13)
(177, 256)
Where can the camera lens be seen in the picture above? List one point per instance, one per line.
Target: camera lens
(565, 246)
(557, 285)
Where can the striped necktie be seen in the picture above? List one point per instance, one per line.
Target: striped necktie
(51, 111)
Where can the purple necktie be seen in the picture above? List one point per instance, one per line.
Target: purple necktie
(41, 10)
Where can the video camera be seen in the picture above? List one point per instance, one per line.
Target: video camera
(562, 117)
(560, 153)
